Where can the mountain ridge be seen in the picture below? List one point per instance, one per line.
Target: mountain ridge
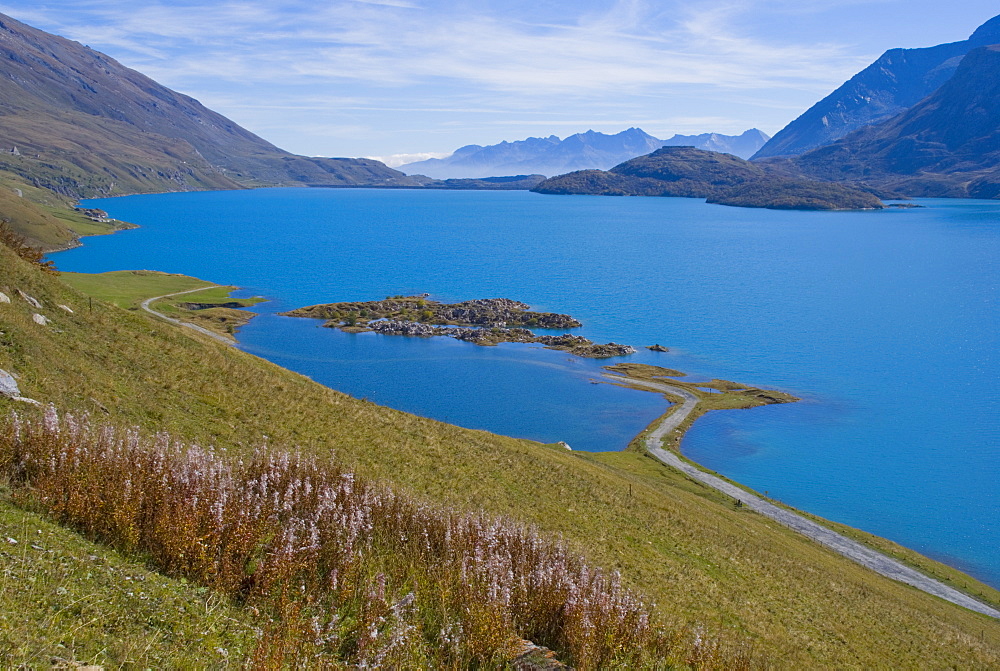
(85, 125)
(896, 81)
(588, 150)
(947, 145)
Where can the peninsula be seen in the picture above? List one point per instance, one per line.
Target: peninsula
(487, 321)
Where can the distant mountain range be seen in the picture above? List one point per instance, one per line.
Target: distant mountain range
(77, 122)
(895, 82)
(591, 150)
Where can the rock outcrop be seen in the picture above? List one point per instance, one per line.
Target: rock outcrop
(30, 300)
(10, 390)
(495, 335)
(501, 312)
(8, 385)
(486, 321)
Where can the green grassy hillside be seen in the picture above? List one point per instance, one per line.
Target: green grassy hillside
(44, 219)
(742, 578)
(64, 600)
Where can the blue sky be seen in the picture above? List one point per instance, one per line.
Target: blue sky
(387, 77)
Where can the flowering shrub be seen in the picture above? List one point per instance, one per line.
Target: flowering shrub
(341, 571)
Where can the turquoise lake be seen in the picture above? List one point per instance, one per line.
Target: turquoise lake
(885, 323)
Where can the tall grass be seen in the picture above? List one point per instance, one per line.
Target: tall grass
(340, 571)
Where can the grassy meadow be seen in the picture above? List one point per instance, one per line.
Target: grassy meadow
(127, 289)
(65, 599)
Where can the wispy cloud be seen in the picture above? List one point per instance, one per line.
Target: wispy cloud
(368, 71)
(631, 46)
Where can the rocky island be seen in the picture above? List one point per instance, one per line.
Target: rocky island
(487, 321)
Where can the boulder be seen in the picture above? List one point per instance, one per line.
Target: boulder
(29, 300)
(8, 385)
(4, 298)
(41, 320)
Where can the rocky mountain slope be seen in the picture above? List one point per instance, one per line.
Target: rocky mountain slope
(77, 122)
(721, 178)
(591, 150)
(948, 145)
(896, 81)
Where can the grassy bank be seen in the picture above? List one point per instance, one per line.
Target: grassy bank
(46, 219)
(738, 576)
(212, 308)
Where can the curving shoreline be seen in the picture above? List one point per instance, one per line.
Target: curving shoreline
(200, 329)
(676, 415)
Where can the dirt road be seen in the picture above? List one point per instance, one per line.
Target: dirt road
(145, 306)
(851, 549)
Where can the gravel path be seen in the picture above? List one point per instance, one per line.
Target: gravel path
(851, 549)
(145, 306)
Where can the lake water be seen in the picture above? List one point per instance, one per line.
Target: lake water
(884, 322)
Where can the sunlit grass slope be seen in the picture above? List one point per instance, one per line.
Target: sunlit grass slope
(128, 288)
(46, 219)
(64, 599)
(738, 575)
(215, 310)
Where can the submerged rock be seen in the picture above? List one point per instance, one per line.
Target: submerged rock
(595, 351)
(573, 344)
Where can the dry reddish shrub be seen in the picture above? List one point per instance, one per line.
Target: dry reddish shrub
(341, 570)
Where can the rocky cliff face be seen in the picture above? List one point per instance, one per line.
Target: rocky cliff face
(85, 125)
(948, 145)
(896, 81)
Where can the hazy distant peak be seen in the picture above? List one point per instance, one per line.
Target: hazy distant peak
(586, 150)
